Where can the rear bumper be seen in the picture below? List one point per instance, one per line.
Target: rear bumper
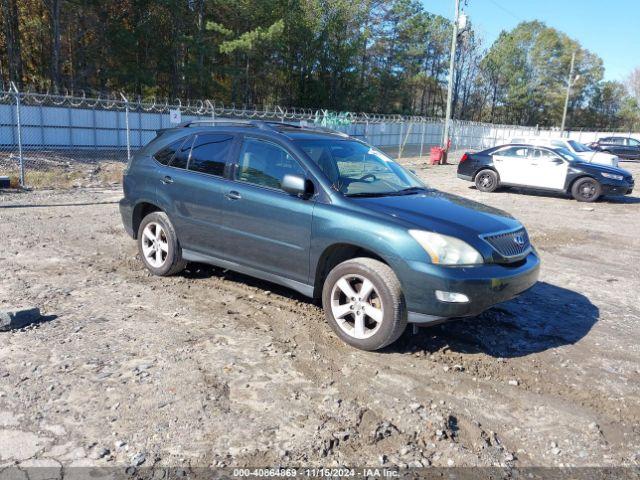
(484, 285)
(126, 212)
(468, 178)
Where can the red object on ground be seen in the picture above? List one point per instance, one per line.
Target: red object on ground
(435, 156)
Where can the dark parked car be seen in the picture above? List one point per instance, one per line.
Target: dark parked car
(328, 216)
(624, 147)
(543, 168)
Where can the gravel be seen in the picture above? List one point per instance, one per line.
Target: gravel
(209, 387)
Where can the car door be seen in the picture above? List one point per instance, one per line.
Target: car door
(192, 189)
(547, 169)
(268, 229)
(632, 148)
(512, 164)
(614, 145)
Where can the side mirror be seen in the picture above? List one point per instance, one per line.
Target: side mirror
(294, 185)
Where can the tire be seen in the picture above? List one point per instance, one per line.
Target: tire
(169, 261)
(370, 322)
(586, 189)
(487, 180)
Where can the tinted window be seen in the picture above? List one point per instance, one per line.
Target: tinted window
(614, 140)
(265, 164)
(181, 157)
(209, 154)
(633, 142)
(165, 155)
(514, 152)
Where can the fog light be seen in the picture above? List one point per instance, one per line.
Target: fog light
(451, 297)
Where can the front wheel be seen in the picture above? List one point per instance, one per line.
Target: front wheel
(586, 190)
(487, 180)
(363, 303)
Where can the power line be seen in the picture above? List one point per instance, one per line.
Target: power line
(506, 10)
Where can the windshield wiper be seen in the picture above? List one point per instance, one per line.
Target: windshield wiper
(409, 191)
(404, 191)
(368, 194)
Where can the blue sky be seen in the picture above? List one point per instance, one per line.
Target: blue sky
(609, 28)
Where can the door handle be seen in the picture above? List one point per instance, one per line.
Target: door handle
(233, 195)
(167, 179)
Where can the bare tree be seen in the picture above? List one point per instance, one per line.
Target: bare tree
(633, 84)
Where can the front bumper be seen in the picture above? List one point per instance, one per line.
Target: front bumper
(485, 285)
(617, 187)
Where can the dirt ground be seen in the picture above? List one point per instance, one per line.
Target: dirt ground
(215, 368)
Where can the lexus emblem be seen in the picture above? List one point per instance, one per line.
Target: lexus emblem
(519, 240)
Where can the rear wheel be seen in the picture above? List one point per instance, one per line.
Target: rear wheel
(158, 245)
(363, 303)
(586, 190)
(487, 180)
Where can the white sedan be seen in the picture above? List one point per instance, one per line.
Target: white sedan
(585, 153)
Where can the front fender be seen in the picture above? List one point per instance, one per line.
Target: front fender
(391, 242)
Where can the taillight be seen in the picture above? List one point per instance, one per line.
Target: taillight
(464, 158)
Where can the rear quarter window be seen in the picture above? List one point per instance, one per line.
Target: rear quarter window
(181, 157)
(166, 154)
(210, 152)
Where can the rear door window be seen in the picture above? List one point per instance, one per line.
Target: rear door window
(165, 155)
(181, 157)
(210, 152)
(514, 152)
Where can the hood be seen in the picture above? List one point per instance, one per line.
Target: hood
(441, 212)
(602, 168)
(591, 156)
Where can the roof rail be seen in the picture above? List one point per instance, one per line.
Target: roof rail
(271, 125)
(309, 126)
(255, 123)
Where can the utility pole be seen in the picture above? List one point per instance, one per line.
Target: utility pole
(452, 60)
(566, 100)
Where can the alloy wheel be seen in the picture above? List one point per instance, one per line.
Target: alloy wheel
(155, 246)
(357, 306)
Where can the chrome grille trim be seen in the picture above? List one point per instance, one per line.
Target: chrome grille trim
(505, 245)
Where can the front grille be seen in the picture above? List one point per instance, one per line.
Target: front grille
(510, 244)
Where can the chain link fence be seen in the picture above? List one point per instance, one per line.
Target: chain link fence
(64, 140)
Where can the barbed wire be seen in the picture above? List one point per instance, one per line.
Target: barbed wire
(205, 107)
(213, 109)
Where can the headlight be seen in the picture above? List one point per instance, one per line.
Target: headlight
(612, 176)
(445, 250)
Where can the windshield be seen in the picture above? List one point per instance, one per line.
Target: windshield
(578, 147)
(567, 155)
(356, 169)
